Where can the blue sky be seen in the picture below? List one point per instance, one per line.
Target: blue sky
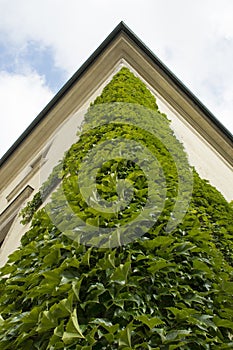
(42, 43)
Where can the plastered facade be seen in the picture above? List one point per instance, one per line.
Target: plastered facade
(35, 158)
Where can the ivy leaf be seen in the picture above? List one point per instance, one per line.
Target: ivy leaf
(46, 322)
(73, 329)
(32, 316)
(202, 266)
(124, 337)
(76, 285)
(220, 322)
(151, 322)
(159, 264)
(52, 257)
(162, 241)
(68, 337)
(1, 320)
(111, 328)
(175, 335)
(121, 273)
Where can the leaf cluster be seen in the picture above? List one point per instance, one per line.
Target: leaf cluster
(159, 291)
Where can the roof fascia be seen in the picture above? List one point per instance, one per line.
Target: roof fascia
(120, 28)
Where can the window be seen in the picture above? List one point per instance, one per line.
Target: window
(9, 214)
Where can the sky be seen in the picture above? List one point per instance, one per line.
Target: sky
(43, 43)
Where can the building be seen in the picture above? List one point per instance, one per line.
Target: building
(32, 157)
(141, 257)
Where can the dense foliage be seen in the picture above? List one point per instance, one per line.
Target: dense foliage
(164, 290)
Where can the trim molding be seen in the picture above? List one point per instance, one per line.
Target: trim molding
(122, 43)
(8, 215)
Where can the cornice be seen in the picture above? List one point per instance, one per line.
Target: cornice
(122, 43)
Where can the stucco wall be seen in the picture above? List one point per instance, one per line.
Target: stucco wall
(208, 163)
(206, 160)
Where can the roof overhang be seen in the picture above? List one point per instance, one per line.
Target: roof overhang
(121, 44)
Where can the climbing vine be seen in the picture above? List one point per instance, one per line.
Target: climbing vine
(162, 290)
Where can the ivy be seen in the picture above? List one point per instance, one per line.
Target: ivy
(164, 290)
(48, 186)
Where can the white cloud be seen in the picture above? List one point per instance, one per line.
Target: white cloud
(22, 98)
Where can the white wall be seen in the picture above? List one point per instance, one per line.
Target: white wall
(208, 163)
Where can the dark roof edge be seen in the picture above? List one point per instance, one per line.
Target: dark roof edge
(178, 82)
(68, 85)
(121, 27)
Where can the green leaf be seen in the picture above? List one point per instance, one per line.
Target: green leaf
(76, 285)
(159, 264)
(46, 322)
(68, 337)
(151, 322)
(62, 309)
(124, 337)
(52, 257)
(202, 266)
(220, 322)
(32, 316)
(121, 273)
(111, 328)
(228, 287)
(182, 314)
(163, 241)
(177, 334)
(73, 329)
